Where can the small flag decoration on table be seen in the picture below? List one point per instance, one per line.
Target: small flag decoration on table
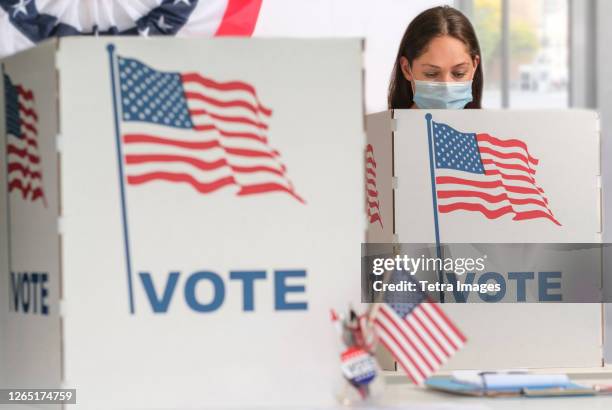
(420, 336)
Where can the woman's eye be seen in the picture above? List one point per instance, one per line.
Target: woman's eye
(431, 75)
(459, 75)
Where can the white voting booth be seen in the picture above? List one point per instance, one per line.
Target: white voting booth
(176, 235)
(562, 149)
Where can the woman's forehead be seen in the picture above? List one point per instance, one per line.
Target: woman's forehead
(445, 51)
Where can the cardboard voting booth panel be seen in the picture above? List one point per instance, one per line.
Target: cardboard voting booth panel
(459, 200)
(29, 244)
(192, 231)
(379, 178)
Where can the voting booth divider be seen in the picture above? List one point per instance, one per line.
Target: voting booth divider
(493, 176)
(175, 233)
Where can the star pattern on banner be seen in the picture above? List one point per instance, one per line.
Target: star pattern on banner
(144, 32)
(21, 7)
(161, 23)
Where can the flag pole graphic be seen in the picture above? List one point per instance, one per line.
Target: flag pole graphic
(126, 236)
(434, 197)
(8, 197)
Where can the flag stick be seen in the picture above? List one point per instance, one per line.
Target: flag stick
(126, 237)
(8, 197)
(434, 198)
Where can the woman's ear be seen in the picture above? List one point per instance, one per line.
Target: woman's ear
(476, 62)
(406, 68)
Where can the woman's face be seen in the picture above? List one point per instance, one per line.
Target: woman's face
(446, 59)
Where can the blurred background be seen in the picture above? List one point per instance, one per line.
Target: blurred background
(536, 53)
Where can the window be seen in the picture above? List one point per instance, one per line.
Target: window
(487, 20)
(525, 51)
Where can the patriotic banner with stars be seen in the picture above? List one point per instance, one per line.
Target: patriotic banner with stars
(23, 23)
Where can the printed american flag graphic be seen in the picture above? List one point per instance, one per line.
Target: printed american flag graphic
(23, 156)
(420, 336)
(372, 200)
(481, 173)
(185, 128)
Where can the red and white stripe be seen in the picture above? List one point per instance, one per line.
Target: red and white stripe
(24, 160)
(507, 187)
(372, 199)
(222, 18)
(421, 342)
(228, 146)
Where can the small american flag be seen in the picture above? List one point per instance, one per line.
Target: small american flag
(419, 336)
(372, 200)
(24, 161)
(482, 173)
(188, 129)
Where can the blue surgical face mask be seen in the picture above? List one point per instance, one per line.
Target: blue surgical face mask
(451, 95)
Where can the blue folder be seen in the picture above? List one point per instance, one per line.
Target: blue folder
(450, 385)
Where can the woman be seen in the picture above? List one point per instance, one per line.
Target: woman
(438, 64)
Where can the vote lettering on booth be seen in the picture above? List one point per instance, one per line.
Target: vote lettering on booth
(174, 225)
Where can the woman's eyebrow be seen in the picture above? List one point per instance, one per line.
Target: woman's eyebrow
(455, 66)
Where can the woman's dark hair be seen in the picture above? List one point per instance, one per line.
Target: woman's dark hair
(434, 22)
